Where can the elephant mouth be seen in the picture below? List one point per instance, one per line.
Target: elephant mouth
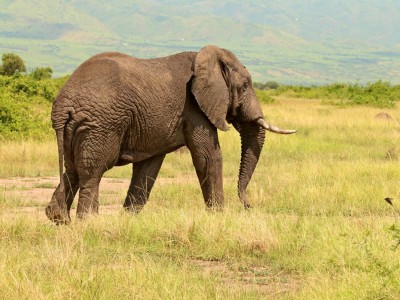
(261, 122)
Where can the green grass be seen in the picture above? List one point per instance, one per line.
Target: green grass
(319, 229)
(377, 94)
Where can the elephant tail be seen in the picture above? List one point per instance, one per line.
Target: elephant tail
(60, 145)
(60, 118)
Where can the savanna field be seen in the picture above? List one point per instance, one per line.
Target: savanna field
(320, 227)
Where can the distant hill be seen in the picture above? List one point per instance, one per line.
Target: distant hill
(311, 42)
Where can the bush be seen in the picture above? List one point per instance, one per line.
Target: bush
(31, 87)
(269, 85)
(258, 85)
(12, 64)
(25, 105)
(41, 73)
(25, 101)
(264, 97)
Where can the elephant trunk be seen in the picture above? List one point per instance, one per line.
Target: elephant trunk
(252, 137)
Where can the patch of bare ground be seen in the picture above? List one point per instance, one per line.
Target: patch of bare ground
(37, 191)
(31, 194)
(40, 189)
(250, 278)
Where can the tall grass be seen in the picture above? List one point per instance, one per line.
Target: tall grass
(319, 229)
(28, 158)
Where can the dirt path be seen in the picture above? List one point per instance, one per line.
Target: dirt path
(40, 189)
(31, 194)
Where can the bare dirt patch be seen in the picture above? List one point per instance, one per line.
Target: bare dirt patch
(38, 190)
(31, 194)
(250, 278)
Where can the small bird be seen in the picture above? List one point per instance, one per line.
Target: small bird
(389, 200)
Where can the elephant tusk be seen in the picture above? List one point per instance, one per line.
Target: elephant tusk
(273, 128)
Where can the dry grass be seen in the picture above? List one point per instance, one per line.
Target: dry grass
(320, 228)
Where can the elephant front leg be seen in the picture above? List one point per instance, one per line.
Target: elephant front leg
(207, 160)
(144, 174)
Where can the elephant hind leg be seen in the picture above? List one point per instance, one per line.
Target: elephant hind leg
(71, 182)
(144, 174)
(94, 154)
(60, 213)
(88, 196)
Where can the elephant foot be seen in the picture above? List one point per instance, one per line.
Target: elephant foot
(247, 205)
(134, 208)
(86, 214)
(214, 207)
(58, 216)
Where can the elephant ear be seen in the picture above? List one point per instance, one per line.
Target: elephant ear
(209, 85)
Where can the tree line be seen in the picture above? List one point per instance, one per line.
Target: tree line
(13, 64)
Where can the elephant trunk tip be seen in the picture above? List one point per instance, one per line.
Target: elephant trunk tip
(273, 128)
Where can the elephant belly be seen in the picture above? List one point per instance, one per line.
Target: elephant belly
(131, 156)
(152, 135)
(127, 156)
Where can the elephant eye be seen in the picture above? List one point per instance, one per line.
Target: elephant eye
(245, 86)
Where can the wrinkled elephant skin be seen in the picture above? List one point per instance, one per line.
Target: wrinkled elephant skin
(116, 109)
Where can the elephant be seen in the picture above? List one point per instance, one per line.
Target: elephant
(116, 109)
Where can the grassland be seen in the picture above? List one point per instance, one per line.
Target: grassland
(319, 229)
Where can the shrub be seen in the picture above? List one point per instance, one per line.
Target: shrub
(264, 97)
(12, 64)
(271, 85)
(41, 73)
(25, 106)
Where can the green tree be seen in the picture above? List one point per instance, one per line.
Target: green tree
(41, 73)
(12, 64)
(271, 85)
(258, 85)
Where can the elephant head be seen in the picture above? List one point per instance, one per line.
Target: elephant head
(223, 90)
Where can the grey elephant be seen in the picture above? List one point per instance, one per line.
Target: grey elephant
(116, 109)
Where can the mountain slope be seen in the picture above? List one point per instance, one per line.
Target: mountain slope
(313, 41)
(49, 20)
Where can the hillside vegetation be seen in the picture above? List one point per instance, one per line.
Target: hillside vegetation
(315, 42)
(25, 105)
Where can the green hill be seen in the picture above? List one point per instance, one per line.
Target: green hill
(311, 42)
